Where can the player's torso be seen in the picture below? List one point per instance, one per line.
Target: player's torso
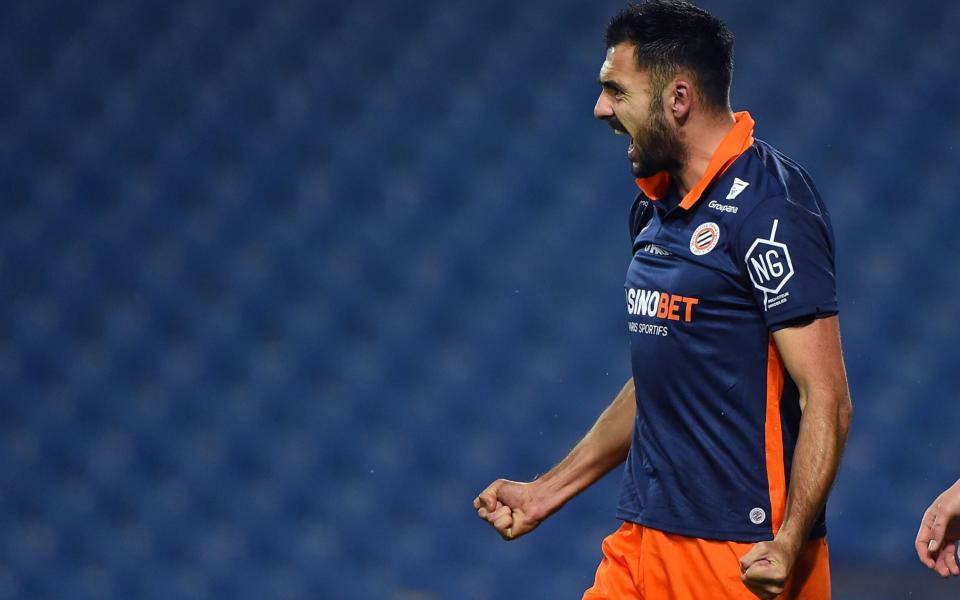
(700, 351)
(690, 307)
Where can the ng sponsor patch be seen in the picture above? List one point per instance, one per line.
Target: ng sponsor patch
(770, 268)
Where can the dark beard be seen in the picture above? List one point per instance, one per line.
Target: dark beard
(661, 149)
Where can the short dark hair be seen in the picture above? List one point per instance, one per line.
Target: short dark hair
(672, 35)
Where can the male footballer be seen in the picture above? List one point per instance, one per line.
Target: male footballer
(734, 421)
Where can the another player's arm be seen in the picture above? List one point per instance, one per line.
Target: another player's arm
(516, 508)
(811, 354)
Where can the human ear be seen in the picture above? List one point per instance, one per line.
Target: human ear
(680, 98)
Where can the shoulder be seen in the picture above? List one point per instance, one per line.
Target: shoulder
(779, 179)
(781, 200)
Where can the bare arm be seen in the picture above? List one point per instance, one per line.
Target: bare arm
(603, 447)
(814, 360)
(811, 354)
(516, 508)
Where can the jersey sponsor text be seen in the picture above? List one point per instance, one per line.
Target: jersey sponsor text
(728, 208)
(661, 305)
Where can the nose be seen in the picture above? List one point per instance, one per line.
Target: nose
(603, 108)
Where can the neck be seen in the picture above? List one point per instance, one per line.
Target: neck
(702, 138)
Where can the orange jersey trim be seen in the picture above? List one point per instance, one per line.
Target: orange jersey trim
(654, 187)
(773, 433)
(736, 142)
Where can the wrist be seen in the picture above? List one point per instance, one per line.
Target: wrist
(547, 497)
(791, 540)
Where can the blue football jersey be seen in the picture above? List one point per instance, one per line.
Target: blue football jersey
(748, 251)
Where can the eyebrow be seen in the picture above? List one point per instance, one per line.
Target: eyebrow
(609, 84)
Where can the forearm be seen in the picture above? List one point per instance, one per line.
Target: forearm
(816, 458)
(604, 447)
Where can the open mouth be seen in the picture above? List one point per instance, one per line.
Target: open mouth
(632, 146)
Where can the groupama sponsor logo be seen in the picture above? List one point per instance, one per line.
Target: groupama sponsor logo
(728, 208)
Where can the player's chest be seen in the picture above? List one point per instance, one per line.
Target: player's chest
(693, 256)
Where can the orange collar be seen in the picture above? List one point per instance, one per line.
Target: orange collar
(731, 147)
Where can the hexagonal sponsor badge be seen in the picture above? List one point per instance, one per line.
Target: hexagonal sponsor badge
(768, 262)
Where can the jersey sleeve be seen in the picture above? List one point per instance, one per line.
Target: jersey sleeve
(786, 254)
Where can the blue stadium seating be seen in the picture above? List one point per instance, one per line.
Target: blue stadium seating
(285, 284)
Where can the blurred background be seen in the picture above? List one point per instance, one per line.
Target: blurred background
(284, 285)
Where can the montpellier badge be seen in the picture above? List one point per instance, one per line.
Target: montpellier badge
(704, 238)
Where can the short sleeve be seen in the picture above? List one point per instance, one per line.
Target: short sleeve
(786, 253)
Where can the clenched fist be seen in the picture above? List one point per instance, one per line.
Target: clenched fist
(765, 569)
(512, 507)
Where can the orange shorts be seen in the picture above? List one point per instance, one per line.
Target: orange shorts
(640, 563)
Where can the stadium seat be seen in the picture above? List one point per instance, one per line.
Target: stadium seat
(285, 285)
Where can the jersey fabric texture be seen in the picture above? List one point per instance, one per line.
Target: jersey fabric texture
(645, 564)
(749, 250)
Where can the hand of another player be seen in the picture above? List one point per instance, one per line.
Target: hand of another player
(939, 533)
(765, 569)
(511, 507)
